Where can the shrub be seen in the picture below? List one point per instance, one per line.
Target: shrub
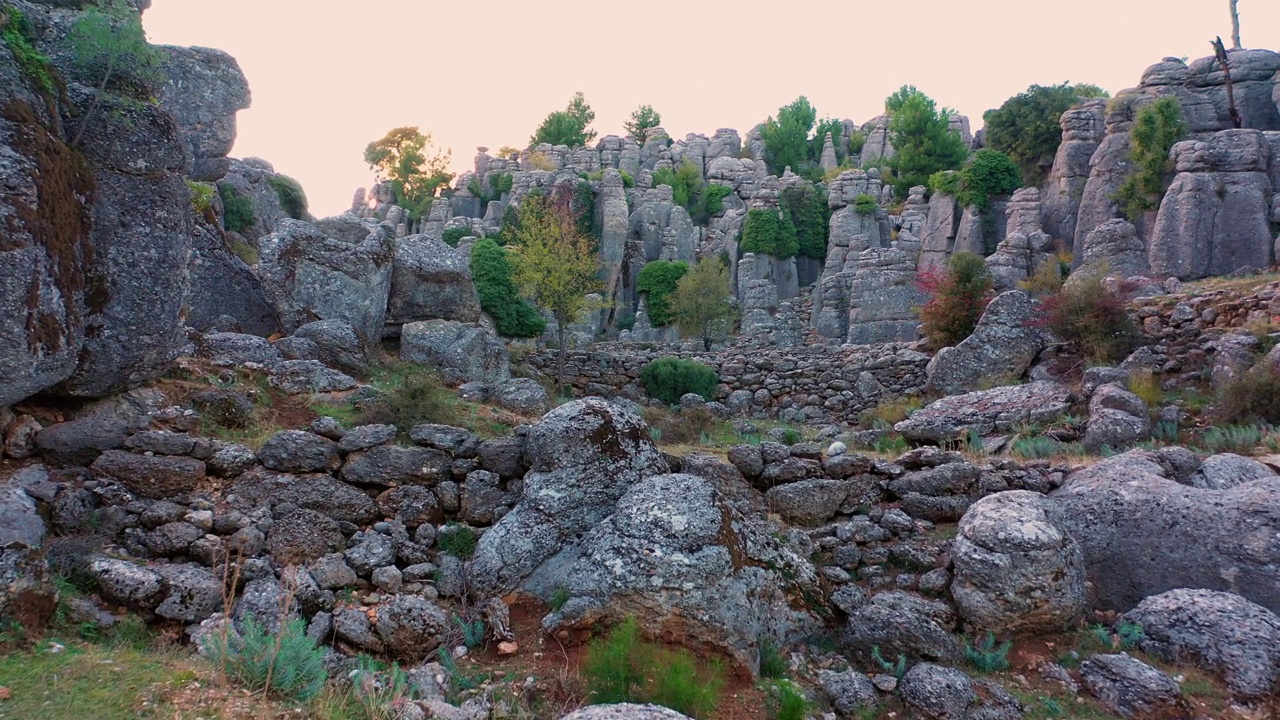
(568, 126)
(1253, 398)
(1036, 447)
(539, 161)
(452, 235)
(287, 663)
(201, 197)
(292, 199)
(945, 182)
(986, 656)
(659, 279)
(772, 662)
(791, 703)
(921, 133)
(769, 232)
(413, 396)
(1091, 316)
(622, 667)
(17, 34)
(668, 378)
(710, 202)
(457, 540)
(1147, 387)
(1239, 439)
(957, 298)
(810, 215)
(990, 173)
(1155, 131)
(866, 204)
(1046, 280)
(238, 211)
(685, 182)
(702, 304)
(513, 315)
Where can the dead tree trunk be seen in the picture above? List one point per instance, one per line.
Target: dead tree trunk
(1221, 53)
(1235, 27)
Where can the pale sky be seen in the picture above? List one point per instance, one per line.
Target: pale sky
(329, 77)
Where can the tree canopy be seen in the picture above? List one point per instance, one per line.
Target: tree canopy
(702, 304)
(644, 118)
(786, 139)
(110, 53)
(1026, 127)
(406, 158)
(567, 127)
(921, 136)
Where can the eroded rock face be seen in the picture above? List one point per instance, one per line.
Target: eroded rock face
(987, 411)
(1026, 247)
(463, 353)
(431, 281)
(1113, 249)
(1015, 569)
(1129, 686)
(1082, 131)
(1143, 533)
(203, 90)
(339, 270)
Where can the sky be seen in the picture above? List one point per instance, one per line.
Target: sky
(328, 78)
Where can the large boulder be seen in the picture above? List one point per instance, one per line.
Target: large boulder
(937, 693)
(152, 476)
(1015, 569)
(1114, 249)
(986, 412)
(338, 269)
(1142, 532)
(462, 353)
(1026, 247)
(1215, 218)
(1129, 686)
(1117, 419)
(1108, 168)
(899, 623)
(624, 711)
(27, 595)
(222, 285)
(1004, 340)
(674, 556)
(1218, 632)
(203, 90)
(583, 457)
(431, 281)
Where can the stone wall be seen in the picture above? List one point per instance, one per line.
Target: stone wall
(812, 383)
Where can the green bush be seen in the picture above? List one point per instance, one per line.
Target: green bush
(1253, 398)
(957, 298)
(810, 215)
(922, 137)
(659, 279)
(769, 232)
(201, 197)
(990, 173)
(491, 272)
(17, 34)
(866, 204)
(622, 667)
(627, 180)
(685, 182)
(412, 396)
(1238, 439)
(1092, 317)
(452, 235)
(568, 126)
(238, 212)
(1026, 127)
(457, 540)
(773, 664)
(786, 140)
(986, 655)
(710, 202)
(945, 182)
(292, 199)
(791, 703)
(288, 664)
(668, 378)
(1155, 131)
(378, 689)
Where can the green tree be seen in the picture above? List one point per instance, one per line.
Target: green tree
(1156, 129)
(702, 304)
(1026, 127)
(810, 215)
(109, 50)
(786, 140)
(658, 279)
(990, 173)
(491, 271)
(641, 120)
(568, 126)
(685, 182)
(555, 265)
(921, 136)
(406, 158)
(769, 232)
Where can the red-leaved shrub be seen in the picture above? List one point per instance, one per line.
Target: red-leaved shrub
(957, 298)
(1091, 315)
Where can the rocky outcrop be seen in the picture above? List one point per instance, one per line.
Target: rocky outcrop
(1216, 216)
(431, 281)
(1026, 247)
(939, 235)
(462, 353)
(1129, 686)
(255, 179)
(224, 292)
(1113, 249)
(1016, 569)
(883, 296)
(987, 412)
(1142, 532)
(1082, 132)
(203, 90)
(1108, 169)
(338, 269)
(1005, 340)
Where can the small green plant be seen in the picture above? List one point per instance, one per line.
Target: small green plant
(1101, 634)
(17, 34)
(790, 703)
(412, 395)
(1052, 707)
(891, 444)
(1156, 129)
(1239, 439)
(201, 197)
(866, 204)
(791, 436)
(1146, 386)
(659, 279)
(290, 194)
(381, 692)
(559, 597)
(1036, 447)
(772, 662)
(238, 211)
(457, 540)
(472, 632)
(668, 378)
(896, 669)
(710, 202)
(286, 663)
(1130, 634)
(110, 53)
(460, 681)
(452, 235)
(622, 667)
(986, 655)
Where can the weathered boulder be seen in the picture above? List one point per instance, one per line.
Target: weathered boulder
(900, 623)
(1026, 247)
(231, 348)
(1225, 471)
(1114, 249)
(1082, 131)
(27, 594)
(882, 297)
(1129, 686)
(1015, 569)
(937, 692)
(624, 711)
(298, 451)
(521, 395)
(410, 627)
(583, 457)
(939, 234)
(987, 411)
(462, 353)
(299, 377)
(222, 286)
(80, 442)
(1108, 168)
(389, 465)
(431, 281)
(337, 269)
(338, 344)
(203, 90)
(1143, 533)
(318, 492)
(1004, 341)
(1117, 419)
(1215, 218)
(1218, 632)
(159, 477)
(665, 556)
